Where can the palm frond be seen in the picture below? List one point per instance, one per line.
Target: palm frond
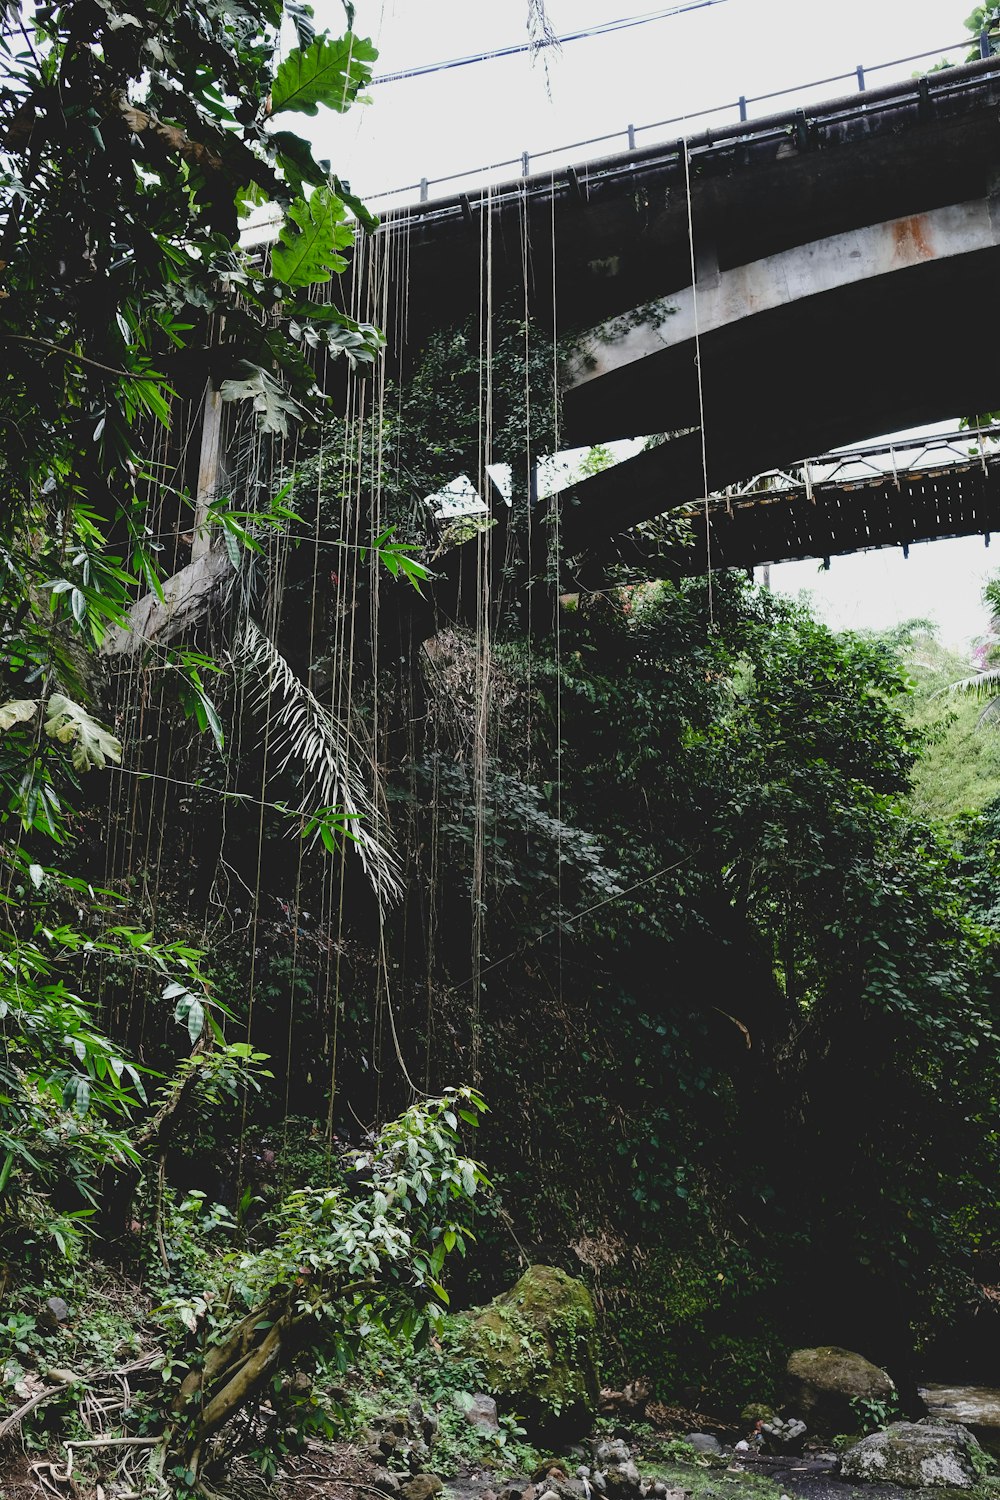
(302, 731)
(979, 686)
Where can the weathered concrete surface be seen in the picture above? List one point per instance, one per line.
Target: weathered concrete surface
(617, 234)
(812, 270)
(857, 258)
(186, 599)
(875, 355)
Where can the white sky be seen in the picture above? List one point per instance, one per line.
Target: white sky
(457, 120)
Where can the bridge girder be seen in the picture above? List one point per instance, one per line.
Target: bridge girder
(872, 350)
(872, 181)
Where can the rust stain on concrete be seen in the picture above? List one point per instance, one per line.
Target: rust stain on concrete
(911, 240)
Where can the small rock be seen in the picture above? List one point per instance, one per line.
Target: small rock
(599, 1482)
(549, 1495)
(58, 1308)
(572, 1489)
(622, 1481)
(583, 1472)
(703, 1442)
(421, 1487)
(417, 1455)
(386, 1481)
(757, 1411)
(518, 1489)
(783, 1437)
(481, 1413)
(615, 1452)
(742, 1446)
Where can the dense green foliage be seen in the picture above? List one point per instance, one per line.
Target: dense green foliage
(780, 926)
(959, 767)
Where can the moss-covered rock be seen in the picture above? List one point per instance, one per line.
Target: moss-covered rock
(537, 1346)
(823, 1382)
(758, 1411)
(919, 1455)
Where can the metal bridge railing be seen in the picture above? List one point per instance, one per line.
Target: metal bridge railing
(872, 463)
(529, 161)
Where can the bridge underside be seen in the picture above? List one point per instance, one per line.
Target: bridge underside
(846, 262)
(875, 356)
(831, 520)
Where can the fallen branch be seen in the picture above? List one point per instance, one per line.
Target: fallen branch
(17, 1417)
(345, 1484)
(112, 1442)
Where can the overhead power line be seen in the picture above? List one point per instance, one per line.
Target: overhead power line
(603, 29)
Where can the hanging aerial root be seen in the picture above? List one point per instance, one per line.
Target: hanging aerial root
(302, 731)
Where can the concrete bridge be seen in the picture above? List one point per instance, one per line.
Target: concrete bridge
(845, 264)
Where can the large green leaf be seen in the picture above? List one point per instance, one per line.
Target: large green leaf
(364, 215)
(314, 231)
(272, 405)
(70, 724)
(297, 162)
(329, 72)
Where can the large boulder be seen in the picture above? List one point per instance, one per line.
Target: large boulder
(537, 1347)
(823, 1382)
(919, 1455)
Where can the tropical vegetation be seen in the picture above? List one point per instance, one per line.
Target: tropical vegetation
(326, 824)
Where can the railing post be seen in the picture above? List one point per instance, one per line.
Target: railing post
(631, 137)
(923, 98)
(985, 45)
(743, 107)
(423, 190)
(801, 130)
(861, 79)
(525, 164)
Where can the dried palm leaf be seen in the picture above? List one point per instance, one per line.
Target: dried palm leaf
(305, 733)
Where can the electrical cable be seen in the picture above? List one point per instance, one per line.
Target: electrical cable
(604, 28)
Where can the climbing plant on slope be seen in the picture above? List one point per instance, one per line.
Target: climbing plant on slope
(131, 140)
